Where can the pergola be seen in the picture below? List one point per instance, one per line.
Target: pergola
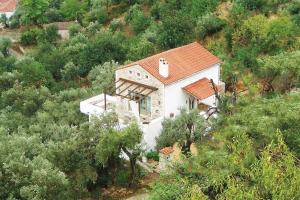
(139, 90)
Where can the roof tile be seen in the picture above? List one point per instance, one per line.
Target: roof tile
(183, 62)
(200, 89)
(8, 5)
(166, 150)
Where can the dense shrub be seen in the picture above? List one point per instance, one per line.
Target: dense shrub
(155, 11)
(100, 15)
(74, 29)
(122, 177)
(175, 31)
(53, 15)
(208, 25)
(30, 37)
(296, 20)
(50, 34)
(201, 7)
(252, 4)
(152, 155)
(137, 20)
(5, 44)
(294, 8)
(116, 25)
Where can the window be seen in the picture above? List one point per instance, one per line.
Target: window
(191, 104)
(130, 72)
(146, 76)
(138, 74)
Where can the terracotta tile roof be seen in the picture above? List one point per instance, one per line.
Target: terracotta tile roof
(200, 89)
(8, 5)
(183, 62)
(166, 150)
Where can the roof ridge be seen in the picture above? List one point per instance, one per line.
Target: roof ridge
(165, 52)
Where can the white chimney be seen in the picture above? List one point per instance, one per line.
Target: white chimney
(163, 68)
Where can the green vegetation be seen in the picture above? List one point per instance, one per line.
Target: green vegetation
(48, 150)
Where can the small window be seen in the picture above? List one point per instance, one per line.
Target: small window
(146, 76)
(130, 72)
(138, 74)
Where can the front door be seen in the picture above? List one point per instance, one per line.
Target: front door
(145, 105)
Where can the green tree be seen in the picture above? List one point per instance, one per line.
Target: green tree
(5, 44)
(4, 20)
(33, 11)
(186, 128)
(202, 7)
(127, 140)
(103, 77)
(208, 25)
(70, 71)
(280, 71)
(33, 73)
(50, 34)
(73, 9)
(175, 31)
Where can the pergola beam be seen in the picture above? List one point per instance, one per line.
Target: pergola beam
(141, 84)
(137, 86)
(126, 88)
(120, 84)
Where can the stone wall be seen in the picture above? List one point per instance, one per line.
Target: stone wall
(138, 74)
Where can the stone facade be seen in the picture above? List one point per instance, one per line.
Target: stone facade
(137, 74)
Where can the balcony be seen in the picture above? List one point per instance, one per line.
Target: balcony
(96, 105)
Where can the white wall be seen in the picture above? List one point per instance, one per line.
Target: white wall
(151, 131)
(175, 97)
(8, 14)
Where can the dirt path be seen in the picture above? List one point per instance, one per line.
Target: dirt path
(143, 196)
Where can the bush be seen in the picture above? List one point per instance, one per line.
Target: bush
(137, 20)
(74, 29)
(115, 25)
(50, 34)
(53, 15)
(294, 8)
(30, 37)
(252, 4)
(296, 20)
(202, 7)
(14, 22)
(208, 25)
(3, 20)
(122, 177)
(99, 15)
(152, 155)
(5, 44)
(155, 11)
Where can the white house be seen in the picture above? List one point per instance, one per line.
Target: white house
(157, 87)
(8, 7)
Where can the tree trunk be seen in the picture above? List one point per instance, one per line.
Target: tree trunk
(133, 171)
(132, 160)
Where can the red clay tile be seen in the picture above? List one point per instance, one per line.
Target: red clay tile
(183, 62)
(166, 150)
(200, 89)
(8, 5)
